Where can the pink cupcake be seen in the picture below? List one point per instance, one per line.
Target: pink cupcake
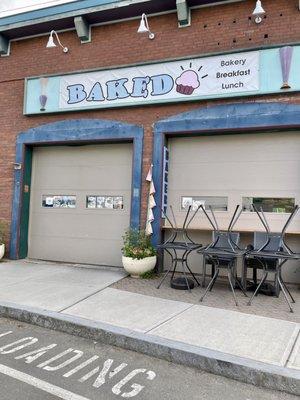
(187, 82)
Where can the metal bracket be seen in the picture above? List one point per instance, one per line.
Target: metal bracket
(4, 46)
(183, 13)
(83, 29)
(17, 166)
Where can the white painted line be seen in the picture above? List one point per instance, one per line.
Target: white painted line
(39, 384)
(5, 333)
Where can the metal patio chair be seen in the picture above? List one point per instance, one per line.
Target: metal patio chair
(269, 253)
(255, 264)
(222, 253)
(223, 242)
(173, 246)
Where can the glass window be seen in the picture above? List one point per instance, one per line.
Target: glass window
(91, 201)
(105, 202)
(215, 202)
(58, 201)
(269, 204)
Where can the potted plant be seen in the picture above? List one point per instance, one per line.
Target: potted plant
(138, 254)
(2, 245)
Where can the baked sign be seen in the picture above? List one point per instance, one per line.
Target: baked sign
(169, 81)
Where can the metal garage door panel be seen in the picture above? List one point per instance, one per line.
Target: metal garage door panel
(246, 147)
(64, 155)
(83, 177)
(80, 234)
(78, 251)
(279, 176)
(85, 225)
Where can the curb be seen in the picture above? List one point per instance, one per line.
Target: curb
(233, 367)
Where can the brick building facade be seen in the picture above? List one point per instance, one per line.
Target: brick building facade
(227, 27)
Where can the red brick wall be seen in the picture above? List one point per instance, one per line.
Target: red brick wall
(214, 29)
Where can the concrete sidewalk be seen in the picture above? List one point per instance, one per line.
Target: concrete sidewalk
(76, 299)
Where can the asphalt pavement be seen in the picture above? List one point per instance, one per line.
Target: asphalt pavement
(41, 364)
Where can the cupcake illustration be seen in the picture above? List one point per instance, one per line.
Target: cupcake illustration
(187, 82)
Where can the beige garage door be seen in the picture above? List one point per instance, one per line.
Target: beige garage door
(80, 203)
(225, 170)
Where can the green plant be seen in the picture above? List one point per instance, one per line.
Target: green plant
(148, 275)
(136, 244)
(3, 228)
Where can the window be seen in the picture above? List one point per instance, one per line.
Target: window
(105, 202)
(58, 201)
(269, 204)
(215, 202)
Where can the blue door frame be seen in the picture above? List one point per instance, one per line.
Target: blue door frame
(82, 131)
(223, 119)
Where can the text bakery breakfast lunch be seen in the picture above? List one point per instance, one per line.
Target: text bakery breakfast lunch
(233, 73)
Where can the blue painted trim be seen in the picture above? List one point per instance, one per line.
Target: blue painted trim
(79, 5)
(54, 10)
(228, 118)
(77, 131)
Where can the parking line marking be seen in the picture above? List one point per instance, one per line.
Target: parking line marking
(40, 384)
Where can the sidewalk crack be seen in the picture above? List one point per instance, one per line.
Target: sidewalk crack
(79, 301)
(290, 358)
(169, 319)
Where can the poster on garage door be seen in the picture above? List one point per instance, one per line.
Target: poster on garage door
(162, 82)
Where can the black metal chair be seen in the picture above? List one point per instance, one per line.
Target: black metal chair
(222, 252)
(269, 253)
(255, 264)
(222, 239)
(173, 246)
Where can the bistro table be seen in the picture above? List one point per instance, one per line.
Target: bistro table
(179, 241)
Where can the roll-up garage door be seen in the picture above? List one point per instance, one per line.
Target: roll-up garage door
(226, 170)
(80, 203)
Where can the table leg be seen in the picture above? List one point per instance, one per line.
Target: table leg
(255, 276)
(203, 270)
(276, 282)
(233, 272)
(244, 273)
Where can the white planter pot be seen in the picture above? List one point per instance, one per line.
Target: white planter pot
(2, 250)
(137, 267)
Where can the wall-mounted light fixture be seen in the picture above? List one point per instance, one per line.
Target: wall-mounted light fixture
(258, 12)
(144, 27)
(52, 44)
(17, 166)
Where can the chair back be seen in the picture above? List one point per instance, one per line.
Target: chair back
(270, 242)
(226, 240)
(274, 242)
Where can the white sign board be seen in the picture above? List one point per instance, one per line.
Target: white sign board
(13, 7)
(163, 82)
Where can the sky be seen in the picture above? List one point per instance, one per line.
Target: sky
(11, 7)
